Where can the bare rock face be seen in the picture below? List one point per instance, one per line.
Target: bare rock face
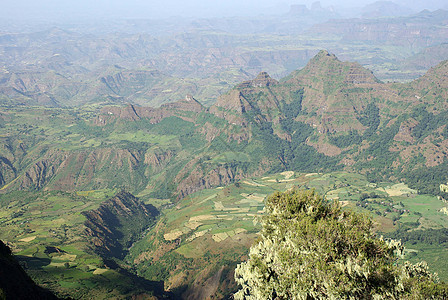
(231, 106)
(117, 223)
(158, 159)
(250, 96)
(262, 80)
(198, 180)
(71, 170)
(38, 175)
(155, 115)
(7, 171)
(193, 177)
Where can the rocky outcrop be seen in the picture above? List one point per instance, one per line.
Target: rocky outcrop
(198, 180)
(72, 170)
(231, 107)
(254, 96)
(128, 113)
(262, 80)
(128, 82)
(7, 171)
(155, 115)
(117, 223)
(157, 159)
(39, 174)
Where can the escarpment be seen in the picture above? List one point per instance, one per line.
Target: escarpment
(7, 171)
(182, 109)
(117, 223)
(327, 115)
(83, 169)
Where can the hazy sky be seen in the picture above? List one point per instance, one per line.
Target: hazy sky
(73, 9)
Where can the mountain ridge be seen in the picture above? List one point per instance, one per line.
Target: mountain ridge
(321, 110)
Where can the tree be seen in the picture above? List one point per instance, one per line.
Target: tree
(312, 249)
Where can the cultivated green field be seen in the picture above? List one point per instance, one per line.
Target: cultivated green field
(213, 227)
(196, 237)
(45, 232)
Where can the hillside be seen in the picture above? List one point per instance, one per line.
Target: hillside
(14, 282)
(150, 63)
(329, 115)
(60, 248)
(196, 245)
(208, 170)
(413, 31)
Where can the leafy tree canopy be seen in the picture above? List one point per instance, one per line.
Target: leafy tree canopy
(311, 249)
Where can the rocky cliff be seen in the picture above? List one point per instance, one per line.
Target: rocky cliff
(330, 114)
(131, 112)
(424, 29)
(117, 223)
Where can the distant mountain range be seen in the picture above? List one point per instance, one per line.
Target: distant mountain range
(201, 126)
(329, 115)
(60, 68)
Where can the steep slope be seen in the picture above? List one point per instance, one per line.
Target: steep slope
(416, 32)
(329, 115)
(432, 88)
(196, 244)
(427, 58)
(117, 223)
(14, 282)
(55, 250)
(335, 91)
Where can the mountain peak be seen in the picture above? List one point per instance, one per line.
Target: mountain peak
(262, 80)
(324, 55)
(327, 67)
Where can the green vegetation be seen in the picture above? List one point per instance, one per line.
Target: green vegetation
(218, 225)
(310, 249)
(370, 118)
(209, 171)
(346, 140)
(46, 229)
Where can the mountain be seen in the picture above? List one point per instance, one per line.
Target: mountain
(328, 115)
(117, 223)
(67, 67)
(427, 58)
(208, 169)
(416, 32)
(71, 246)
(385, 9)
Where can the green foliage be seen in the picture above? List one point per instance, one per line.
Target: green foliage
(428, 236)
(346, 140)
(370, 118)
(311, 249)
(378, 157)
(428, 122)
(428, 180)
(291, 110)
